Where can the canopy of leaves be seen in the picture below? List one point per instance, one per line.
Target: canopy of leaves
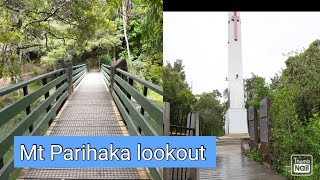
(211, 113)
(295, 95)
(176, 89)
(56, 30)
(256, 89)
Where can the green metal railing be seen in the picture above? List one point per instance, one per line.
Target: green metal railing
(78, 74)
(148, 120)
(55, 88)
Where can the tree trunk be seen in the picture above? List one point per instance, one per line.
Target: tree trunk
(124, 19)
(114, 54)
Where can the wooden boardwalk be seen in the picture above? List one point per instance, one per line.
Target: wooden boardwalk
(90, 111)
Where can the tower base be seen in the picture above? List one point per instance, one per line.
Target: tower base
(236, 122)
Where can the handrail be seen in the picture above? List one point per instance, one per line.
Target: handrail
(148, 121)
(143, 82)
(22, 84)
(122, 92)
(77, 66)
(38, 119)
(78, 73)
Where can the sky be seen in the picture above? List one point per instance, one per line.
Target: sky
(200, 39)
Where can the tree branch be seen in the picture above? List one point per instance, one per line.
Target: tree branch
(63, 38)
(29, 46)
(53, 12)
(13, 9)
(3, 3)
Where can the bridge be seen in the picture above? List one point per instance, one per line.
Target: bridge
(73, 101)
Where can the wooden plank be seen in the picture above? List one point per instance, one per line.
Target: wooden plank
(107, 81)
(78, 75)
(151, 86)
(136, 116)
(166, 119)
(106, 75)
(152, 109)
(156, 173)
(24, 124)
(131, 126)
(108, 71)
(12, 110)
(77, 66)
(78, 70)
(75, 84)
(107, 66)
(7, 169)
(21, 84)
(44, 122)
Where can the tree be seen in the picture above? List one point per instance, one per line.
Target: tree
(176, 89)
(295, 122)
(49, 28)
(211, 113)
(256, 89)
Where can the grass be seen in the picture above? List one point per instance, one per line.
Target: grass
(155, 97)
(155, 125)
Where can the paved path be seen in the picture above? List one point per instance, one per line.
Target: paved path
(89, 112)
(231, 164)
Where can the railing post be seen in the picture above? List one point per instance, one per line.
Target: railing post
(58, 85)
(120, 63)
(131, 84)
(1, 163)
(194, 172)
(68, 66)
(47, 94)
(145, 93)
(25, 92)
(166, 119)
(166, 132)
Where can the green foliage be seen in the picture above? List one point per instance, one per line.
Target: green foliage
(255, 155)
(54, 56)
(294, 115)
(256, 89)
(80, 29)
(295, 121)
(304, 70)
(153, 73)
(144, 32)
(105, 59)
(211, 114)
(176, 89)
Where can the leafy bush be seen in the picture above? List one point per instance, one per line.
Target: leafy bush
(295, 121)
(53, 57)
(255, 155)
(105, 59)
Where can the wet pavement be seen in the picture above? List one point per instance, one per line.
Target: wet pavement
(231, 164)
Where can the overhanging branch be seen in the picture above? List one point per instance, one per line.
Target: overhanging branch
(53, 12)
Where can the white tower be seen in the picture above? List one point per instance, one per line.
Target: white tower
(236, 117)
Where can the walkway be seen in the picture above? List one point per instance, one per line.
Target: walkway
(231, 164)
(89, 112)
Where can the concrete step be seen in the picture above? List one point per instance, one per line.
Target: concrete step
(219, 142)
(230, 140)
